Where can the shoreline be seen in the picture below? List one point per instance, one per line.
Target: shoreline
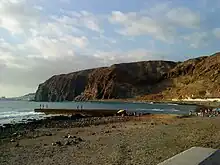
(62, 121)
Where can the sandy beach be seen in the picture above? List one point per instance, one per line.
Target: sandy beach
(109, 140)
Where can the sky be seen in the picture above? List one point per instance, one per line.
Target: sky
(42, 38)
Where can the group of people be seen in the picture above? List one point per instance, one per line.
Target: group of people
(207, 113)
(42, 106)
(79, 107)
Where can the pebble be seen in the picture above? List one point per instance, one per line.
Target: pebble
(15, 134)
(17, 145)
(67, 143)
(12, 140)
(58, 143)
(79, 139)
(69, 136)
(49, 134)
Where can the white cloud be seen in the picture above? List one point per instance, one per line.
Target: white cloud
(114, 57)
(197, 39)
(48, 47)
(65, 1)
(136, 25)
(103, 38)
(216, 32)
(160, 22)
(80, 19)
(16, 16)
(184, 17)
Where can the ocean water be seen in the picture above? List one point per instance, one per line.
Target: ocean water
(19, 111)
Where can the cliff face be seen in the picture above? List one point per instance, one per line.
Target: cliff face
(125, 80)
(118, 81)
(198, 78)
(150, 80)
(63, 87)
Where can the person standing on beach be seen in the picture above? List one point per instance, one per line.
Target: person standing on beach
(81, 107)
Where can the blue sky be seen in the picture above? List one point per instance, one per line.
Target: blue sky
(41, 38)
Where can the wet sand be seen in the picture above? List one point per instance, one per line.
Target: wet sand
(143, 140)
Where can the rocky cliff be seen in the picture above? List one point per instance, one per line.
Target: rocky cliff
(117, 81)
(194, 78)
(149, 80)
(63, 87)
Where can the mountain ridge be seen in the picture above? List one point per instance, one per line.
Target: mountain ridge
(151, 80)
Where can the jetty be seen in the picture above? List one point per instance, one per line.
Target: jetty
(83, 112)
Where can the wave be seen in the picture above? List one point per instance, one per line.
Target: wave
(159, 110)
(16, 114)
(172, 104)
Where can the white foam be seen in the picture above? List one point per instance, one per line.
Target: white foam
(16, 114)
(159, 110)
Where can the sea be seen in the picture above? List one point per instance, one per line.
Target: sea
(21, 111)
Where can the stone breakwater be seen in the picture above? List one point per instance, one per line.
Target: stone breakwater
(79, 112)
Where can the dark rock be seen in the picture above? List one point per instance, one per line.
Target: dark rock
(7, 125)
(15, 134)
(113, 126)
(58, 143)
(79, 139)
(93, 133)
(17, 145)
(74, 141)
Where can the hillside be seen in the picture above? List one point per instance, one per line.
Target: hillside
(27, 97)
(147, 80)
(125, 80)
(198, 78)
